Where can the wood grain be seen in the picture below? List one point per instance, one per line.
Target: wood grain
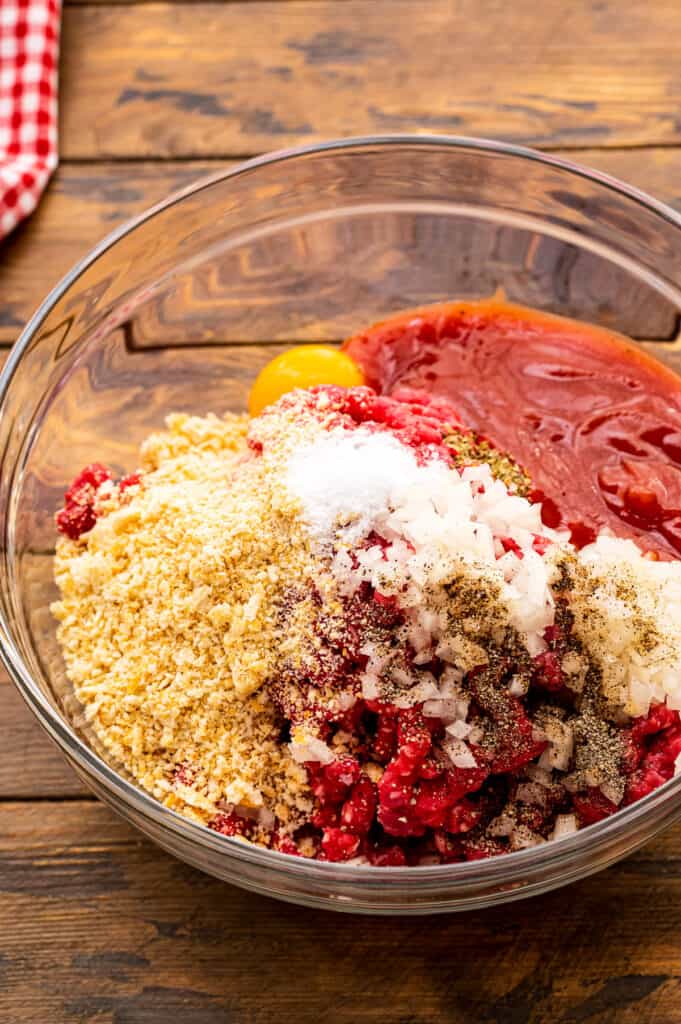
(83, 203)
(96, 925)
(81, 206)
(192, 80)
(23, 743)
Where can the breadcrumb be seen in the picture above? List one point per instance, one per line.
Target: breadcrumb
(168, 624)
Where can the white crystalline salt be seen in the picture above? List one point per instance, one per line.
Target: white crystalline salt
(346, 479)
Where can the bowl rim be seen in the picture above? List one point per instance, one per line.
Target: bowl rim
(461, 875)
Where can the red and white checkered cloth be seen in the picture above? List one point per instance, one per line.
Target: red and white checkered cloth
(29, 47)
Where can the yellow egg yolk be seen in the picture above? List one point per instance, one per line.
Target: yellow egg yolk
(302, 367)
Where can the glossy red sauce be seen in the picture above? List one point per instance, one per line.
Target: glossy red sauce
(594, 420)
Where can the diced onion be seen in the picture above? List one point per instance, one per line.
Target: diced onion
(310, 748)
(564, 825)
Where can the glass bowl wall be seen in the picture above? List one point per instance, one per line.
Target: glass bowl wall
(178, 310)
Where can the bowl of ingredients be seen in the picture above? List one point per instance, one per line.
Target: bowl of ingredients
(340, 502)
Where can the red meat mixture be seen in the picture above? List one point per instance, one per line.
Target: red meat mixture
(393, 797)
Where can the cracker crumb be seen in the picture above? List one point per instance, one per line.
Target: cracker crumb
(168, 623)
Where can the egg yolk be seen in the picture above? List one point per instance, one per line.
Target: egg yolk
(302, 367)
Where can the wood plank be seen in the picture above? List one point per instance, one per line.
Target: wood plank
(84, 202)
(81, 206)
(23, 743)
(656, 171)
(169, 80)
(98, 925)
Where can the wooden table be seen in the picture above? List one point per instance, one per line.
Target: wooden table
(96, 925)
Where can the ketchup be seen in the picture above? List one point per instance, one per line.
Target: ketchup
(594, 420)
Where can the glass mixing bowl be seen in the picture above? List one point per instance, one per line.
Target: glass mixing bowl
(179, 308)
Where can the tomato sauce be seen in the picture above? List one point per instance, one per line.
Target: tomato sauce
(595, 421)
